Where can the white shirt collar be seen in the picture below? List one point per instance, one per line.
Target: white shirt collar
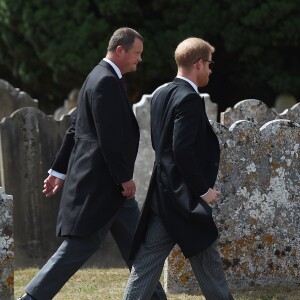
(190, 82)
(117, 70)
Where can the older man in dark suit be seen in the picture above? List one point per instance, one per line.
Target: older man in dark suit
(98, 191)
(177, 208)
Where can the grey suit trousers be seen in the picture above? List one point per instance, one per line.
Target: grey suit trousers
(75, 251)
(147, 267)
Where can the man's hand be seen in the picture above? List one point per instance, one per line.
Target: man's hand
(128, 189)
(52, 185)
(211, 196)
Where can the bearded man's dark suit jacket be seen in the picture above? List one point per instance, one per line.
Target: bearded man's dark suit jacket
(103, 156)
(186, 165)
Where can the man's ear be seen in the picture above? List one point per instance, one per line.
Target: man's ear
(120, 50)
(198, 64)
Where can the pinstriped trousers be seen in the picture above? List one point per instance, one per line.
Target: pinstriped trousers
(147, 267)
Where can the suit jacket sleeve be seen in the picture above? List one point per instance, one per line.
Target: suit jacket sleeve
(190, 131)
(61, 160)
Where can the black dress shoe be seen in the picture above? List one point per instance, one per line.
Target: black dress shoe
(26, 297)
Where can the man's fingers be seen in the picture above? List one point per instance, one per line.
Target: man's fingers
(128, 189)
(56, 189)
(46, 190)
(129, 192)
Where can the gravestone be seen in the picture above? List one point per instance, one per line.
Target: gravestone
(28, 141)
(69, 105)
(259, 182)
(12, 99)
(257, 112)
(6, 246)
(251, 110)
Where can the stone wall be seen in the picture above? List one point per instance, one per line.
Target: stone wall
(6, 246)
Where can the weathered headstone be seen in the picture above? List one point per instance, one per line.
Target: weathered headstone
(69, 104)
(12, 99)
(28, 141)
(284, 101)
(259, 180)
(6, 246)
(257, 112)
(292, 113)
(251, 110)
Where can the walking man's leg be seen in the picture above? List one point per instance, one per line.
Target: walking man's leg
(208, 269)
(149, 262)
(64, 263)
(123, 229)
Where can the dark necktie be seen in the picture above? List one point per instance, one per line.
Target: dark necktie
(123, 84)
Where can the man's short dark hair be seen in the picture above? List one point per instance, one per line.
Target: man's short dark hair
(124, 37)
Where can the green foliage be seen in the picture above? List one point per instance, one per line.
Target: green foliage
(264, 37)
(48, 48)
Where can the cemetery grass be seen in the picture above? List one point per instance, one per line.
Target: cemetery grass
(109, 284)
